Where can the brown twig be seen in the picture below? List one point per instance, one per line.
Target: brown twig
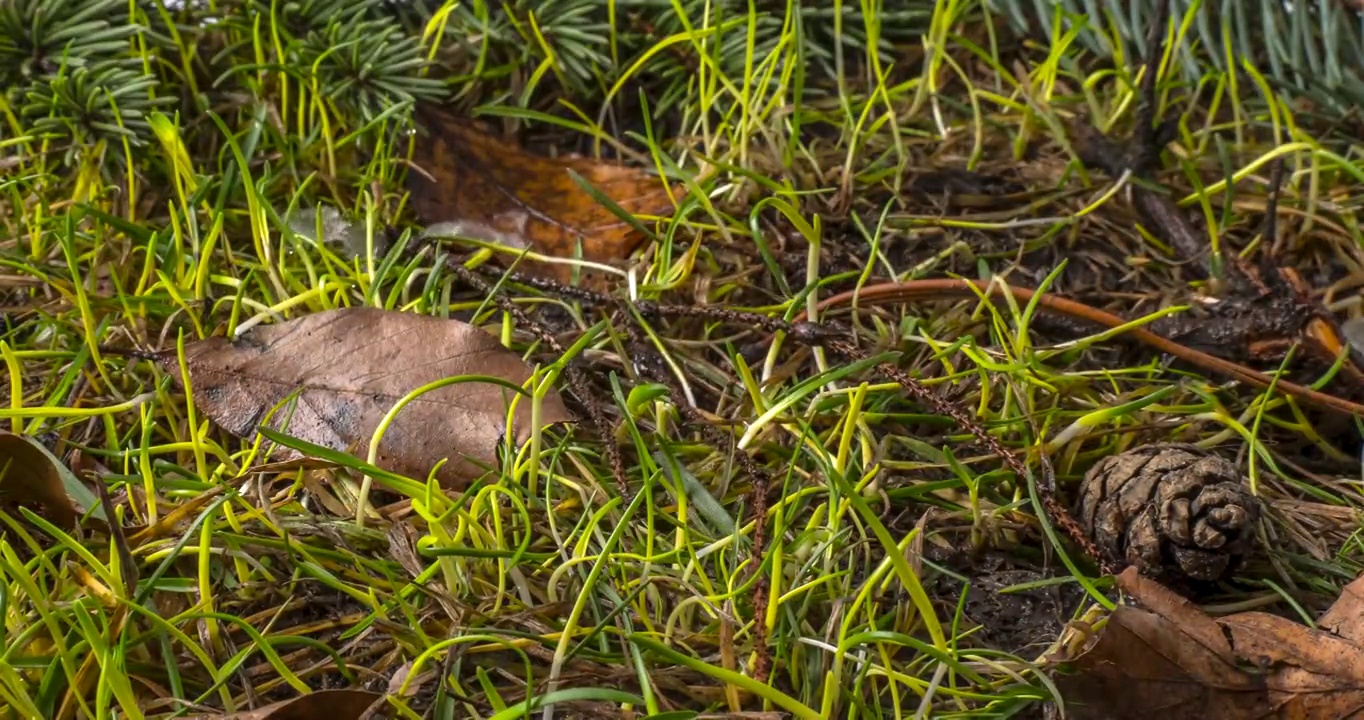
(1147, 133)
(134, 353)
(758, 477)
(1046, 490)
(576, 380)
(591, 297)
(815, 334)
(1149, 138)
(939, 289)
(809, 333)
(1165, 218)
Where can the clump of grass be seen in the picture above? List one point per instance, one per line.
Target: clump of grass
(906, 570)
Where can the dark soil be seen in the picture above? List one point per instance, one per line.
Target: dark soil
(1023, 622)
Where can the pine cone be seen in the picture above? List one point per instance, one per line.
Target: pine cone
(1174, 511)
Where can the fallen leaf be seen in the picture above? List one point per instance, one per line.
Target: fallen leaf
(1346, 616)
(399, 685)
(30, 475)
(350, 367)
(1170, 660)
(320, 705)
(482, 187)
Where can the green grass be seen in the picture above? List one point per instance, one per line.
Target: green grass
(908, 573)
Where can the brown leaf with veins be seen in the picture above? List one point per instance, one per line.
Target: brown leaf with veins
(351, 366)
(482, 187)
(1169, 660)
(32, 476)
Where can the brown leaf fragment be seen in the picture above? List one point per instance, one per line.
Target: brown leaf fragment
(1172, 510)
(1346, 616)
(320, 705)
(482, 187)
(33, 477)
(1170, 660)
(349, 367)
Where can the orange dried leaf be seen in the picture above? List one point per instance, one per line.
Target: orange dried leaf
(485, 188)
(1170, 660)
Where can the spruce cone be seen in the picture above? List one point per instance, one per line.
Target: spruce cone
(1174, 511)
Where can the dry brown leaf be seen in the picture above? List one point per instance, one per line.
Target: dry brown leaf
(320, 705)
(351, 367)
(1346, 616)
(1168, 659)
(35, 478)
(494, 191)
